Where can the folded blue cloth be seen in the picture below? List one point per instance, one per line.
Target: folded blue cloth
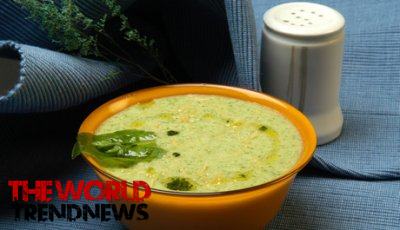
(50, 81)
(333, 203)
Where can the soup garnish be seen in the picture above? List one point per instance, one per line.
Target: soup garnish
(119, 149)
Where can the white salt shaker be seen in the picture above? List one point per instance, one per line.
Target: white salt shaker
(301, 60)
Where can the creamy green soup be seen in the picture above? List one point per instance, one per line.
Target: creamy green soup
(210, 143)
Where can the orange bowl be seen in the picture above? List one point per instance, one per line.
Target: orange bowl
(250, 208)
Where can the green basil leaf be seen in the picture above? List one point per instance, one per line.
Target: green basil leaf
(119, 149)
(107, 143)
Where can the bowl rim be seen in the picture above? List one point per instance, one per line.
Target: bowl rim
(312, 138)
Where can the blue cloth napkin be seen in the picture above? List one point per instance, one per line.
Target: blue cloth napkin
(217, 41)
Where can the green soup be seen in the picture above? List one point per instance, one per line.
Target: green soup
(210, 143)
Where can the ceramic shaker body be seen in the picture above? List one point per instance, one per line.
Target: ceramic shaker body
(301, 60)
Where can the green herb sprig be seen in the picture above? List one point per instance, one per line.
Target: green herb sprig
(75, 32)
(179, 184)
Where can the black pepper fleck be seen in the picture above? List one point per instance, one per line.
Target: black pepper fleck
(172, 133)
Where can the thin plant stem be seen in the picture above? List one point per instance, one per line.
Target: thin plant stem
(165, 71)
(127, 61)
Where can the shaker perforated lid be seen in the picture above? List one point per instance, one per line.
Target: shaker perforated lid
(303, 19)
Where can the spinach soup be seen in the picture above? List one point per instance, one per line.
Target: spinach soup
(198, 143)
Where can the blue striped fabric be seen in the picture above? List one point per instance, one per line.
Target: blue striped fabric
(52, 81)
(333, 203)
(11, 17)
(242, 31)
